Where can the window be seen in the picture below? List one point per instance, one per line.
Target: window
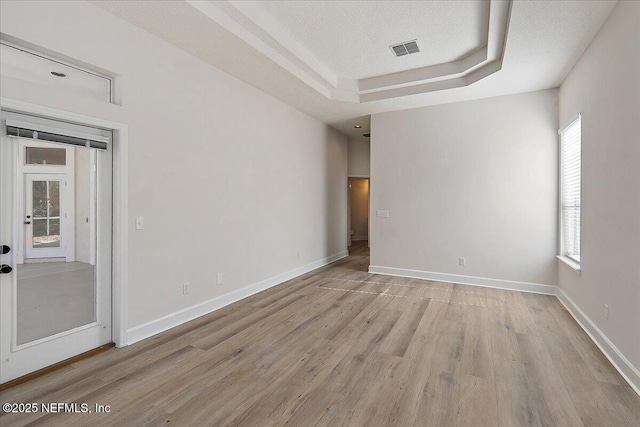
(570, 183)
(35, 67)
(45, 156)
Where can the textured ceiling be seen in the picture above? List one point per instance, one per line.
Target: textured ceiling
(469, 58)
(544, 41)
(356, 35)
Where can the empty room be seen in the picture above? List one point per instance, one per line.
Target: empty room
(306, 213)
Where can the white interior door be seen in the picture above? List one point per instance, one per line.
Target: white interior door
(45, 216)
(50, 311)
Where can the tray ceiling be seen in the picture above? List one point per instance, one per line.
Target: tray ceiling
(342, 49)
(305, 52)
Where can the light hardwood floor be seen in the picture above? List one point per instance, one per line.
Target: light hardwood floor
(341, 347)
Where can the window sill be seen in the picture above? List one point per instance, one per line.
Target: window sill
(571, 263)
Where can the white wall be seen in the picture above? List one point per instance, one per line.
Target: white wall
(359, 158)
(228, 179)
(473, 179)
(605, 87)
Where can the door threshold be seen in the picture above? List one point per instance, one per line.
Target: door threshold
(41, 260)
(55, 367)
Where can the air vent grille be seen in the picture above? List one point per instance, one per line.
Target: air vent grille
(405, 48)
(399, 50)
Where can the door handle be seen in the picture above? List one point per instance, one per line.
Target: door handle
(5, 249)
(5, 269)
(27, 222)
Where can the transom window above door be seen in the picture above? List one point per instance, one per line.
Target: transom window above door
(45, 156)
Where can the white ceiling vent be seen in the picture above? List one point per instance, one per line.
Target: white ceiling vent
(405, 48)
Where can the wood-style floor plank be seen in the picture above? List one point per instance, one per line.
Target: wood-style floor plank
(555, 406)
(341, 347)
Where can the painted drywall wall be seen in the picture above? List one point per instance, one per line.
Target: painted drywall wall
(604, 86)
(474, 179)
(359, 208)
(359, 158)
(228, 179)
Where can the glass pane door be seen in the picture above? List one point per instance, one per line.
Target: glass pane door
(46, 214)
(55, 214)
(56, 287)
(47, 219)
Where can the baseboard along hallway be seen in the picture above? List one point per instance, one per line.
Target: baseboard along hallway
(340, 346)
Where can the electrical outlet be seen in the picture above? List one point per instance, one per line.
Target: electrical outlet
(606, 311)
(185, 288)
(219, 279)
(462, 261)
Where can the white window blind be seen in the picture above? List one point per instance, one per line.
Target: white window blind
(570, 183)
(38, 128)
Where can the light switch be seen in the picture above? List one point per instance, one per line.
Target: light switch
(139, 223)
(382, 214)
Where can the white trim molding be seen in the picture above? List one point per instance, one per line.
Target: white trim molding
(252, 23)
(486, 282)
(570, 263)
(629, 372)
(120, 202)
(177, 318)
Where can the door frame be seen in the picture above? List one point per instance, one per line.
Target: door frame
(22, 170)
(119, 260)
(23, 358)
(66, 229)
(367, 177)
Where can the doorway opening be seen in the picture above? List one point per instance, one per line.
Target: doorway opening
(57, 222)
(358, 215)
(56, 251)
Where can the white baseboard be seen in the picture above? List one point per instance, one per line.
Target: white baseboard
(512, 285)
(629, 372)
(146, 330)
